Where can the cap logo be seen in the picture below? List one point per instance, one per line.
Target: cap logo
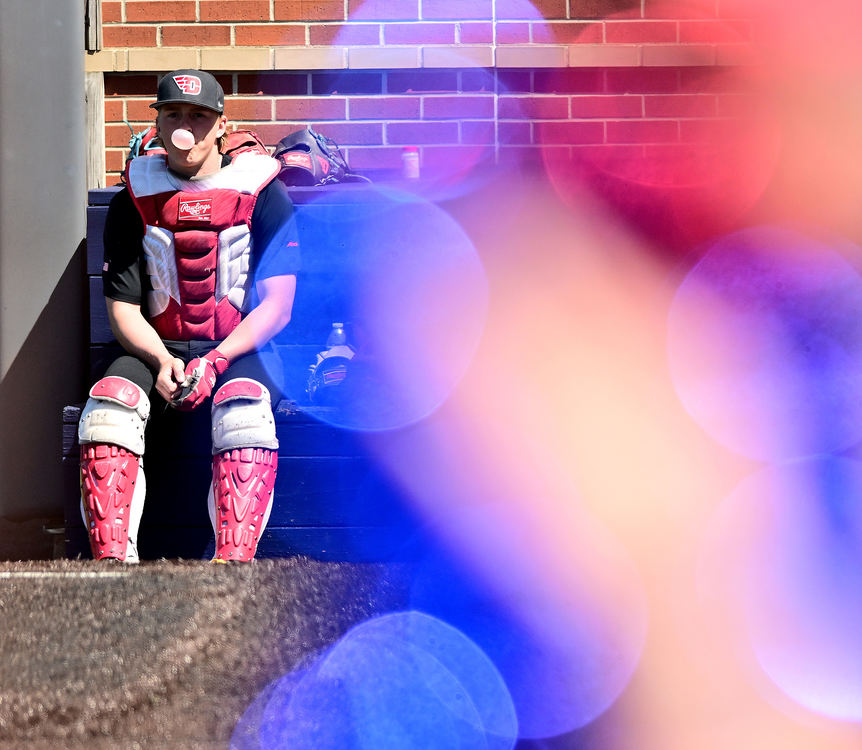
(188, 84)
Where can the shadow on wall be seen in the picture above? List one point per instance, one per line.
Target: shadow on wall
(47, 374)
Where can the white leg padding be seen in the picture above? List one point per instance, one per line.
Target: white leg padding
(116, 413)
(242, 417)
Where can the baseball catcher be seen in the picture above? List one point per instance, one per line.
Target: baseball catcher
(201, 256)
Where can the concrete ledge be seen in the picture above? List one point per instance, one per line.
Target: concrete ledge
(164, 58)
(604, 55)
(385, 58)
(474, 56)
(309, 58)
(678, 55)
(236, 58)
(415, 56)
(105, 61)
(735, 54)
(532, 56)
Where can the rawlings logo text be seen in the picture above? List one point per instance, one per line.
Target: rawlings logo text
(298, 160)
(199, 209)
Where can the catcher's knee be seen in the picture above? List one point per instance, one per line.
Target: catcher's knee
(242, 417)
(116, 413)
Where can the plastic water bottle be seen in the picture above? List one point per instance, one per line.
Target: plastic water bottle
(337, 336)
(410, 163)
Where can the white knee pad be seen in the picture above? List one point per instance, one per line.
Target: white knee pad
(116, 413)
(242, 417)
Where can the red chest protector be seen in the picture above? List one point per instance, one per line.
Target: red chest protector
(197, 243)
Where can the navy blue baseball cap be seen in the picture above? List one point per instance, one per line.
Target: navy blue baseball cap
(191, 86)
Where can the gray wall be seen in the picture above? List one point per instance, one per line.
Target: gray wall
(42, 228)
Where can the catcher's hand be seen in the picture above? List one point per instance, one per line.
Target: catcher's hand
(201, 374)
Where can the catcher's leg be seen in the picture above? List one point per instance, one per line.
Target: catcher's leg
(245, 459)
(111, 434)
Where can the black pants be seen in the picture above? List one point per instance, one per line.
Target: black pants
(263, 366)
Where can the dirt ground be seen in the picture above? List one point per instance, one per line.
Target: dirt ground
(165, 654)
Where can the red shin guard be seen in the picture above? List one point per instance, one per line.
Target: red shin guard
(108, 478)
(243, 483)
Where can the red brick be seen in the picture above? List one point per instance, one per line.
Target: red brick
(269, 34)
(533, 107)
(609, 158)
(363, 133)
(714, 31)
(114, 110)
(118, 84)
(607, 106)
(738, 9)
(688, 9)
(309, 108)
(117, 136)
(643, 131)
(115, 160)
(383, 10)
(259, 108)
(129, 36)
(139, 110)
(739, 105)
(514, 81)
(270, 133)
(714, 80)
(642, 80)
(680, 105)
(374, 157)
(607, 8)
(162, 12)
(112, 12)
(531, 155)
(415, 133)
(308, 10)
(195, 36)
(513, 132)
(453, 161)
(567, 33)
(277, 84)
(706, 131)
(627, 32)
(513, 33)
(458, 10)
(235, 10)
(478, 131)
(226, 82)
(476, 33)
(569, 132)
(385, 108)
(344, 33)
(419, 33)
(457, 107)
(531, 10)
(477, 80)
(422, 81)
(571, 81)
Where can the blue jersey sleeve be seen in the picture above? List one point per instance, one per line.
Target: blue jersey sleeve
(274, 234)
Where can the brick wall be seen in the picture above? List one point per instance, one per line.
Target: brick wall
(461, 80)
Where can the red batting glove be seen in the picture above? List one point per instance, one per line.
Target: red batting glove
(201, 374)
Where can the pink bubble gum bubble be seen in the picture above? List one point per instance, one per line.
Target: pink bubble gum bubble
(182, 139)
